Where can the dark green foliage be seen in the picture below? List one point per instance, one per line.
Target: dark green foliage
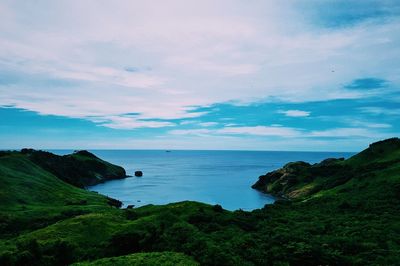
(7, 258)
(32, 198)
(343, 212)
(217, 208)
(86, 154)
(29, 252)
(145, 259)
(300, 180)
(4, 153)
(79, 169)
(131, 214)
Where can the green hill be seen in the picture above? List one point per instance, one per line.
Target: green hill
(369, 167)
(80, 169)
(32, 197)
(340, 212)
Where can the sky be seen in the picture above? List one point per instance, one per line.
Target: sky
(296, 75)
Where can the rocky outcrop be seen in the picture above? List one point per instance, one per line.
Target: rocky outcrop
(300, 179)
(280, 181)
(138, 173)
(80, 168)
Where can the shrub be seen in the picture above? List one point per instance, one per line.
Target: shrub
(217, 208)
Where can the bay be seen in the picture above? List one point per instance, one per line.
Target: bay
(214, 177)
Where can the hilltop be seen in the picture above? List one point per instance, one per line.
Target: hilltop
(80, 168)
(301, 179)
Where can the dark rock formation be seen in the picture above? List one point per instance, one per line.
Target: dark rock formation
(138, 173)
(299, 179)
(277, 182)
(114, 202)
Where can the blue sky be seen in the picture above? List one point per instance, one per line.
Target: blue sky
(252, 75)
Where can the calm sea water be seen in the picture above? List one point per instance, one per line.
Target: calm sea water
(214, 177)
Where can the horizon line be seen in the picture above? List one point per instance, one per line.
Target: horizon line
(133, 149)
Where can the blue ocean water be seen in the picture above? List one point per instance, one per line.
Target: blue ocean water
(214, 177)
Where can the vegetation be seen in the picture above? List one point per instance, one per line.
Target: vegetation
(300, 179)
(145, 259)
(340, 212)
(80, 169)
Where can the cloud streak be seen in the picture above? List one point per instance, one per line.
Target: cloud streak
(289, 133)
(254, 131)
(295, 113)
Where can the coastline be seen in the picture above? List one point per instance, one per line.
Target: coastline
(46, 221)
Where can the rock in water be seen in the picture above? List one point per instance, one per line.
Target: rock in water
(138, 173)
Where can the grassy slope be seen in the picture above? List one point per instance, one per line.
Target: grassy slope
(26, 184)
(145, 259)
(32, 197)
(356, 222)
(370, 168)
(80, 169)
(37, 208)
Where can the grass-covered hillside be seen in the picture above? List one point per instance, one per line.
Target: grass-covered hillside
(80, 168)
(32, 197)
(341, 212)
(301, 179)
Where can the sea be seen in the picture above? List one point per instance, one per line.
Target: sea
(214, 177)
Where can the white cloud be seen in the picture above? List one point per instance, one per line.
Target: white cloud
(378, 125)
(113, 76)
(128, 122)
(288, 132)
(380, 110)
(199, 123)
(261, 131)
(208, 124)
(255, 131)
(295, 113)
(188, 53)
(197, 132)
(360, 123)
(232, 125)
(348, 133)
